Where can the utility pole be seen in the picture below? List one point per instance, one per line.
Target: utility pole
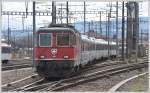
(117, 52)
(109, 26)
(74, 22)
(108, 33)
(100, 23)
(106, 25)
(34, 28)
(123, 30)
(53, 12)
(23, 23)
(8, 30)
(1, 15)
(84, 17)
(61, 14)
(129, 33)
(136, 30)
(28, 43)
(89, 29)
(141, 37)
(92, 25)
(67, 12)
(96, 30)
(14, 42)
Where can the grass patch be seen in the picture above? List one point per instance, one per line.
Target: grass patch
(139, 84)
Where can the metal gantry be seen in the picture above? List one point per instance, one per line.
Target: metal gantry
(48, 13)
(132, 30)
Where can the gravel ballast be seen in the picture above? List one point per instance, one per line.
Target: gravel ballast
(104, 84)
(13, 75)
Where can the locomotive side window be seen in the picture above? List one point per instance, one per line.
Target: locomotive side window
(63, 39)
(44, 39)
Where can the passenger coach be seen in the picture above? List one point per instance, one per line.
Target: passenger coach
(5, 52)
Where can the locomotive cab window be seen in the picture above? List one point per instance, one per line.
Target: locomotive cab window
(72, 39)
(63, 39)
(66, 39)
(45, 39)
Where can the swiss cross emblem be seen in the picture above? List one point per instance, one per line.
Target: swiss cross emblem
(54, 51)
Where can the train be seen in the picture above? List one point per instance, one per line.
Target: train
(61, 50)
(5, 51)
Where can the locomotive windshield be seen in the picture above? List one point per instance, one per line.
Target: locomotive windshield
(65, 39)
(45, 39)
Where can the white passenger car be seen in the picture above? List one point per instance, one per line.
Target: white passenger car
(5, 52)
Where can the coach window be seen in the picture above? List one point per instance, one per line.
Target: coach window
(63, 39)
(45, 39)
(6, 49)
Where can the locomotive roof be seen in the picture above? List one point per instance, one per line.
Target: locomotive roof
(60, 25)
(56, 29)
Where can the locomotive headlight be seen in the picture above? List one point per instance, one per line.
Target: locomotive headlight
(66, 57)
(42, 57)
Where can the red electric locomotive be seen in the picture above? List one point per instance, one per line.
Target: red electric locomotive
(60, 50)
(56, 50)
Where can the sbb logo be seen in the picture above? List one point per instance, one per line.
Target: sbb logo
(54, 51)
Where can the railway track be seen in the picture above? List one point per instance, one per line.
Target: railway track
(81, 76)
(94, 76)
(32, 84)
(70, 82)
(43, 86)
(39, 82)
(14, 85)
(39, 87)
(16, 66)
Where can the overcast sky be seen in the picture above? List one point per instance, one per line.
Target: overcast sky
(17, 21)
